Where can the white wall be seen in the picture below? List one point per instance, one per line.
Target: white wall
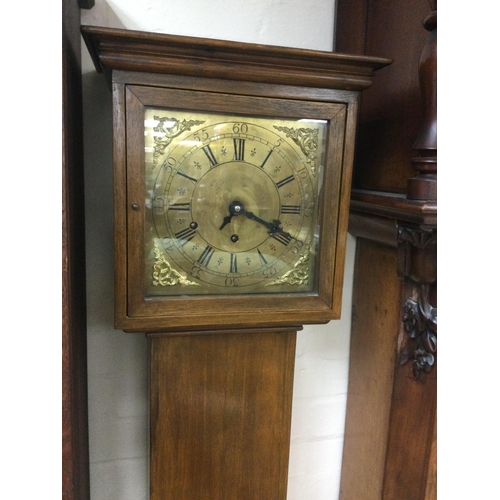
(118, 397)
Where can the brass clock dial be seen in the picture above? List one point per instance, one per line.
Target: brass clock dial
(232, 203)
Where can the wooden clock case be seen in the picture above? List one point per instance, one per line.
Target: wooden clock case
(221, 371)
(145, 69)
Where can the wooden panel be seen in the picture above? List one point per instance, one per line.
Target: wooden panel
(220, 416)
(375, 325)
(75, 473)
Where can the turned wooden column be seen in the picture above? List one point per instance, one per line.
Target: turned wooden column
(424, 185)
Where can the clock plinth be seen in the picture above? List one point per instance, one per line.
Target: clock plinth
(220, 415)
(232, 175)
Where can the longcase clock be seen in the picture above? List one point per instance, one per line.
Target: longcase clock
(232, 173)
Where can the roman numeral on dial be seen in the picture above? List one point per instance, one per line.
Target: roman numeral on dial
(183, 207)
(206, 255)
(261, 257)
(234, 264)
(210, 155)
(290, 209)
(283, 238)
(266, 158)
(186, 176)
(186, 235)
(286, 180)
(239, 149)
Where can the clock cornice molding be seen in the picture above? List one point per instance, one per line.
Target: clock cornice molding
(128, 50)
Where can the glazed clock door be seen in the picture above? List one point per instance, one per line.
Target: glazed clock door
(226, 196)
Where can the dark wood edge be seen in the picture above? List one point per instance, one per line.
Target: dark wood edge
(229, 86)
(120, 201)
(345, 192)
(394, 206)
(74, 383)
(227, 331)
(371, 227)
(218, 49)
(196, 326)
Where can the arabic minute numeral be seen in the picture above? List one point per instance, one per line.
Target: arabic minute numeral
(297, 246)
(240, 127)
(269, 273)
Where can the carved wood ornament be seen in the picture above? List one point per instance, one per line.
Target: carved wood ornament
(417, 262)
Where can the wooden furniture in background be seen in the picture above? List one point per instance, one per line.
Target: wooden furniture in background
(390, 435)
(75, 453)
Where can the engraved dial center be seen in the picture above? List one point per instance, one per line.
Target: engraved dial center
(233, 189)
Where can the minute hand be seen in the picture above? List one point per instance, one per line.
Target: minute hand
(273, 226)
(252, 216)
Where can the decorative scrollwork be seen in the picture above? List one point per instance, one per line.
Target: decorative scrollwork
(420, 323)
(299, 274)
(167, 129)
(419, 238)
(306, 139)
(164, 274)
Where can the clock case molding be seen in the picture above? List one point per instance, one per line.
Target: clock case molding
(145, 69)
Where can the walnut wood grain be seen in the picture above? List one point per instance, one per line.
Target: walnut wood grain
(220, 415)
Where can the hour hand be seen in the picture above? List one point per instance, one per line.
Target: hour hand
(235, 208)
(227, 220)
